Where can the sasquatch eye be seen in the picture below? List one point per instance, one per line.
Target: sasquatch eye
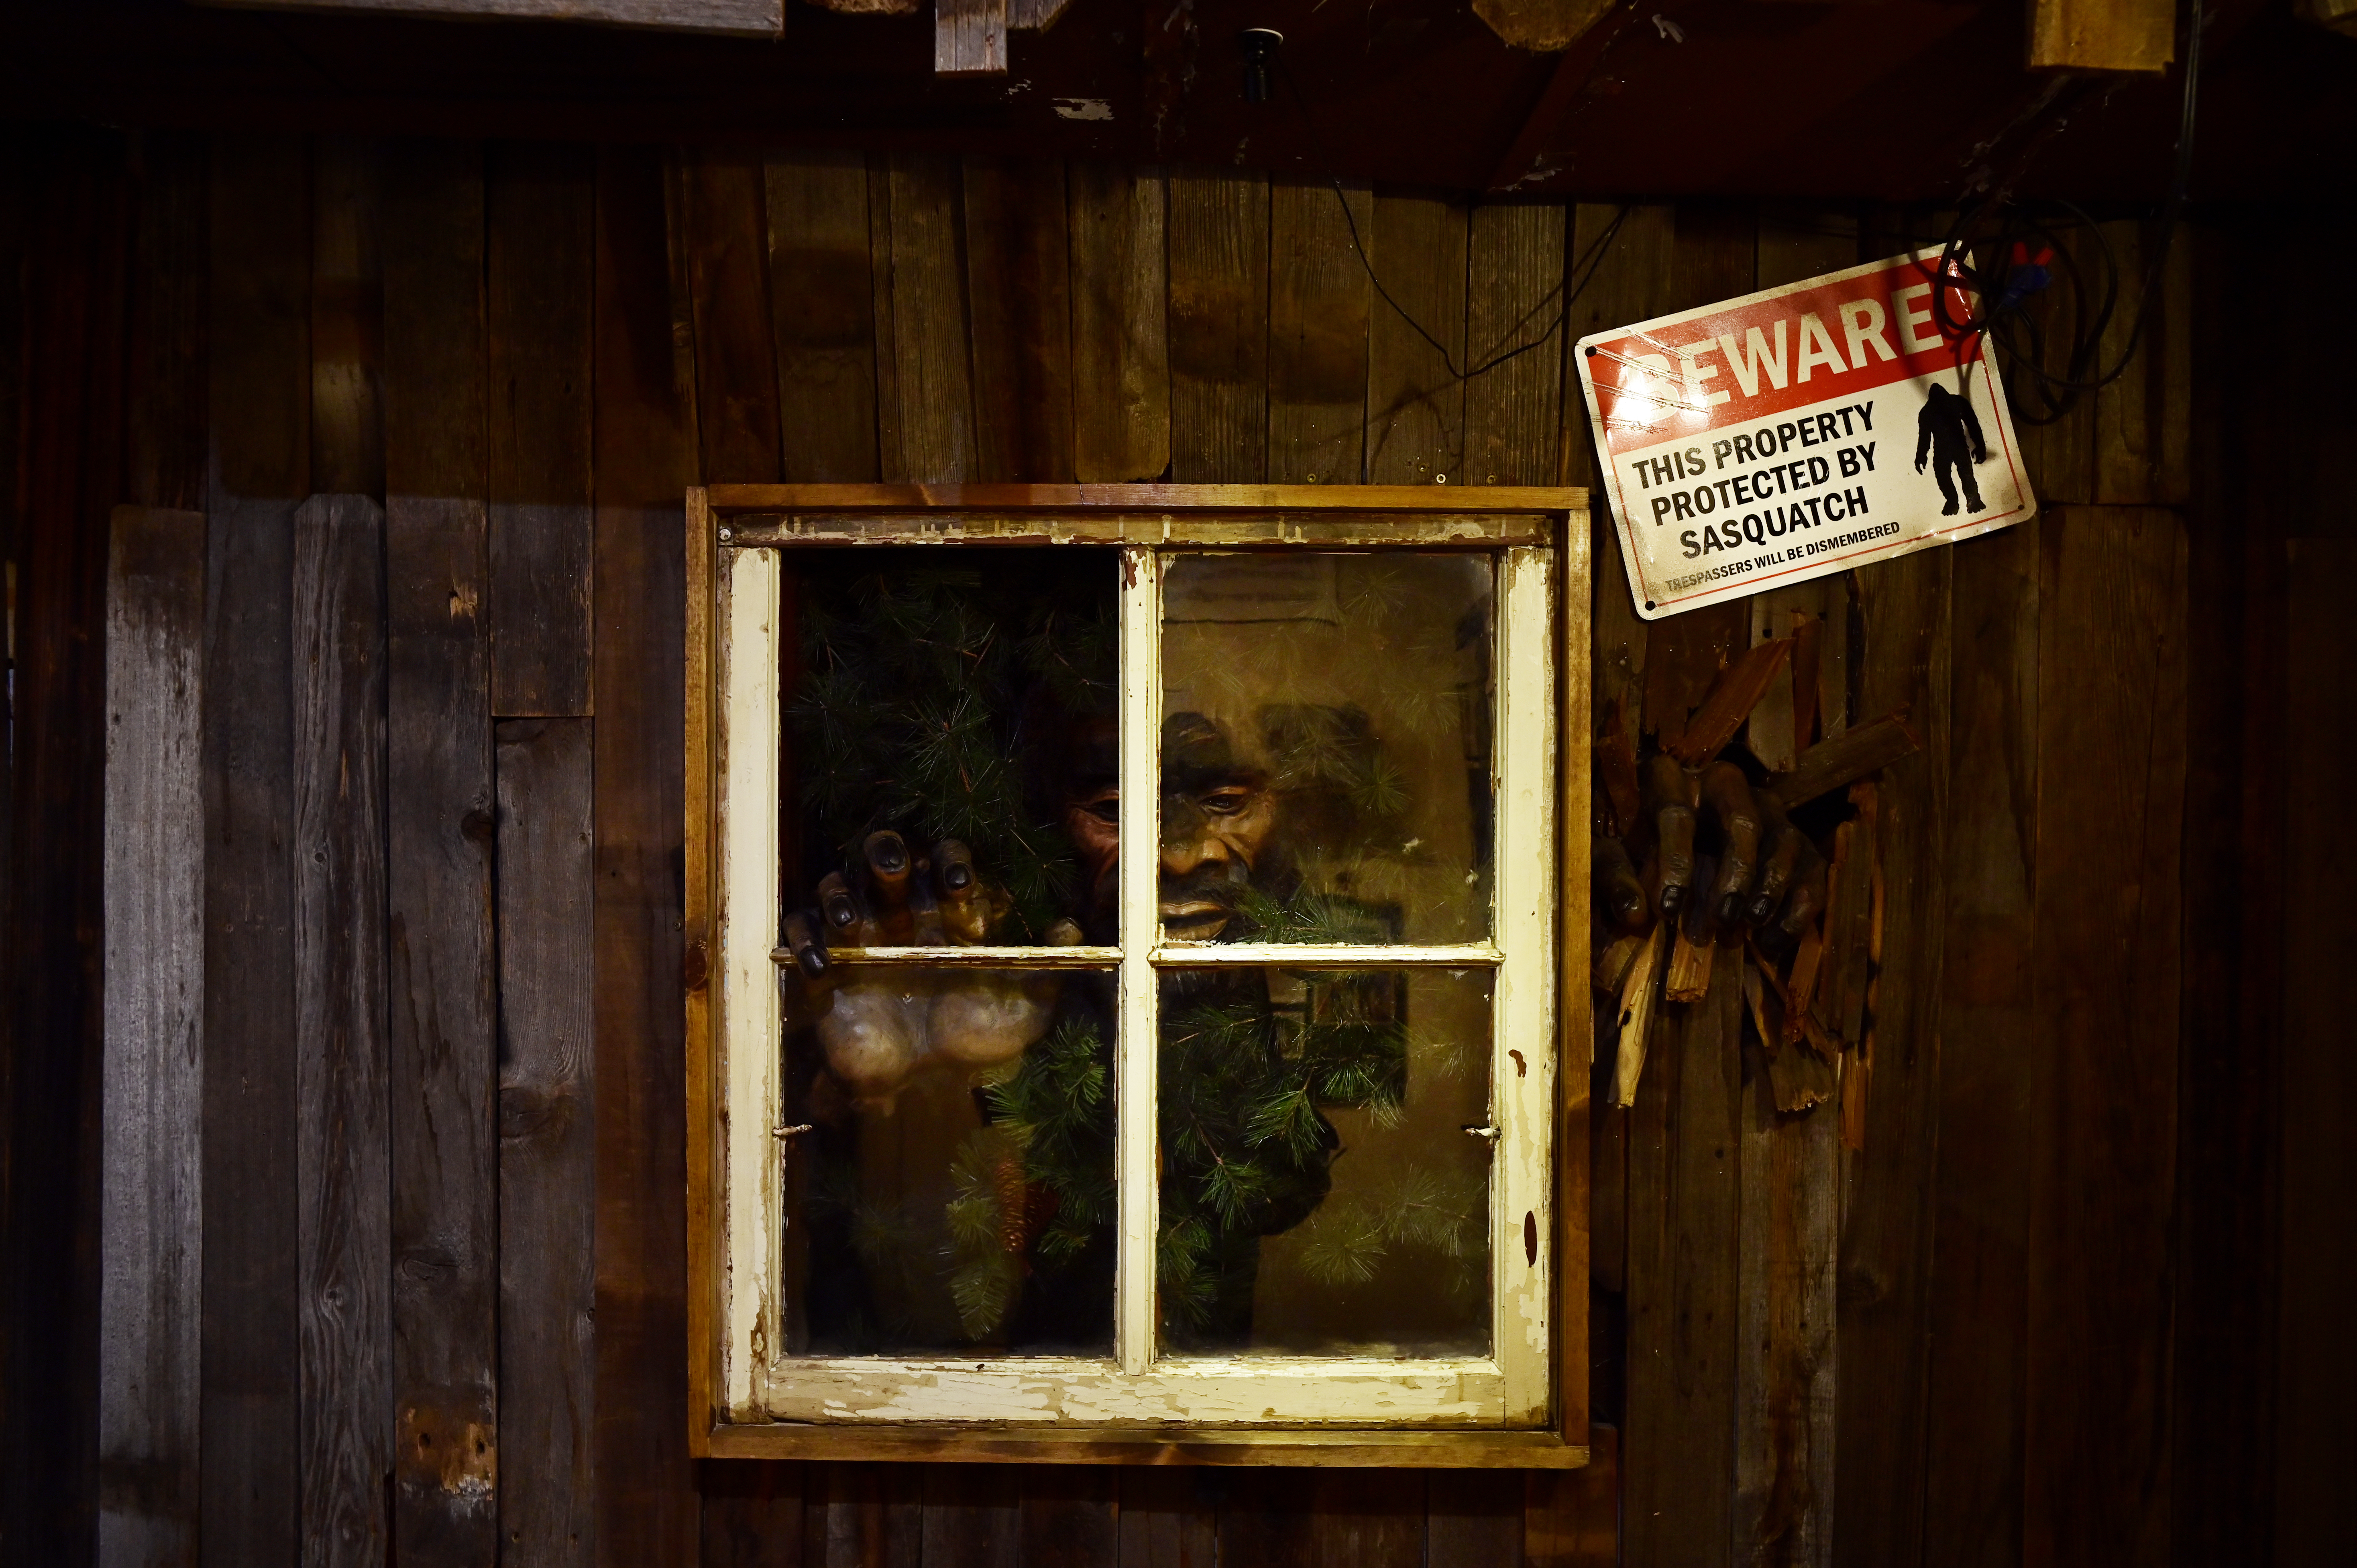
(1227, 802)
(1106, 808)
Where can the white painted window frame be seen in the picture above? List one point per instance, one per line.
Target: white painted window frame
(1136, 1389)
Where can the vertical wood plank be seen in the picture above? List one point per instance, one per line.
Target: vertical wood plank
(753, 1515)
(1070, 1518)
(167, 430)
(1318, 300)
(547, 1141)
(1630, 282)
(1513, 410)
(347, 318)
(891, 455)
(1366, 1519)
(1019, 276)
(261, 356)
(1473, 1519)
(1166, 1519)
(1219, 314)
(338, 845)
(438, 860)
(539, 200)
(1415, 403)
(729, 278)
(864, 1516)
(1265, 1520)
(931, 378)
(2143, 435)
(1988, 1060)
(2110, 773)
(151, 1244)
(1121, 368)
(1887, 1225)
(1571, 1519)
(2059, 455)
(1785, 1377)
(645, 454)
(973, 1516)
(2313, 1523)
(823, 311)
(1684, 1141)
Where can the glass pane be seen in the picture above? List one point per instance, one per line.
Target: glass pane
(952, 1191)
(1320, 1192)
(1326, 748)
(963, 705)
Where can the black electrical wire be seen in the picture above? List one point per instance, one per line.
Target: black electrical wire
(2003, 230)
(1583, 268)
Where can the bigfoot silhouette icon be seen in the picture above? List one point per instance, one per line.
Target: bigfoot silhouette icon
(1949, 432)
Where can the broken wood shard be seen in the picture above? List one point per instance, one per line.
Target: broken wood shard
(1845, 758)
(1639, 994)
(1732, 696)
(1613, 964)
(1689, 978)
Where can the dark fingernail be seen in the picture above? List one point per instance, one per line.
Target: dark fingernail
(840, 910)
(812, 959)
(1728, 907)
(1761, 909)
(1672, 900)
(957, 876)
(888, 853)
(1631, 907)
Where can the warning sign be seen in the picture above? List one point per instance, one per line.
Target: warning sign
(1801, 431)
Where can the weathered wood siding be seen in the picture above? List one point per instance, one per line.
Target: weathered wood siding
(409, 1261)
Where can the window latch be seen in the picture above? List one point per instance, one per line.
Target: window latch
(1484, 1132)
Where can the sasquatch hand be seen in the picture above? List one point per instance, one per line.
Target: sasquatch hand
(1768, 876)
(880, 1024)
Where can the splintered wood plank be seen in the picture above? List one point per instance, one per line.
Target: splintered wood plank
(1845, 758)
(645, 452)
(1473, 1519)
(1513, 409)
(823, 313)
(864, 1516)
(2105, 985)
(1684, 656)
(754, 1514)
(1989, 1066)
(1219, 328)
(725, 239)
(932, 417)
(2126, 36)
(1018, 266)
(2143, 420)
(1731, 700)
(347, 318)
(345, 1237)
(1071, 1516)
(1121, 365)
(1318, 300)
(539, 202)
(444, 1010)
(150, 1236)
(547, 1141)
(1415, 396)
(1886, 1226)
(165, 426)
(1571, 1519)
(1684, 1143)
(261, 359)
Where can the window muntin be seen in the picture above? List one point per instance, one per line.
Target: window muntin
(761, 1373)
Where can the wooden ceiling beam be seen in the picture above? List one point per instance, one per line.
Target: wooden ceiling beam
(2137, 37)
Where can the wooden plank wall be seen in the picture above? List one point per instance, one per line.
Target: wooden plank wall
(429, 1307)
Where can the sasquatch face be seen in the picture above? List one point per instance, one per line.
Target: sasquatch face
(1220, 820)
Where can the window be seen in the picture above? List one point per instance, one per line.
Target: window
(1124, 925)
